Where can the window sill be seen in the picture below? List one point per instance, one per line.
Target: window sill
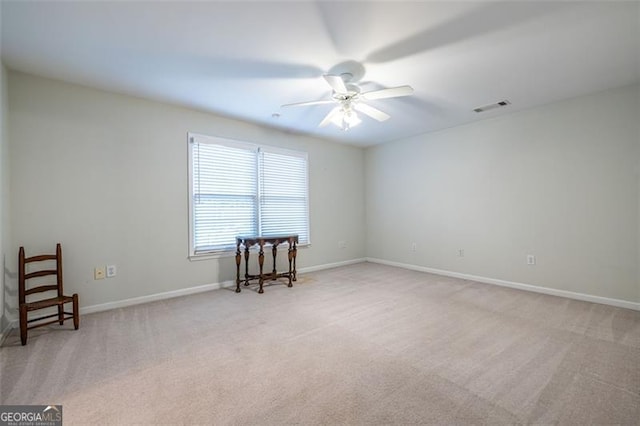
(228, 253)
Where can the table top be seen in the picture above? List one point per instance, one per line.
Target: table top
(273, 239)
(266, 237)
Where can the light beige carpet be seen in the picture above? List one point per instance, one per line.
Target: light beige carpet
(364, 344)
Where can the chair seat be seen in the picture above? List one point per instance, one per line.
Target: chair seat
(45, 303)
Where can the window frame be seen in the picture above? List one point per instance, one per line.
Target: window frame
(230, 251)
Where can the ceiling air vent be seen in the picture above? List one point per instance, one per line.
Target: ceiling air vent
(489, 107)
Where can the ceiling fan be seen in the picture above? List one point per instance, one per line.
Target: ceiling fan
(350, 101)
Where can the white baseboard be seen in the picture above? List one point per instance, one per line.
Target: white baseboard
(225, 284)
(154, 297)
(193, 290)
(520, 286)
(331, 265)
(176, 293)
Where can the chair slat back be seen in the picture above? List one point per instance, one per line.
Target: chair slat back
(23, 276)
(40, 258)
(40, 289)
(42, 273)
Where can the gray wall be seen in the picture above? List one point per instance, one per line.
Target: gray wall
(106, 175)
(560, 182)
(5, 229)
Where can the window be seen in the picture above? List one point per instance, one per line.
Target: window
(237, 188)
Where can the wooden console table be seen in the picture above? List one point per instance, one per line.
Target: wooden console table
(248, 242)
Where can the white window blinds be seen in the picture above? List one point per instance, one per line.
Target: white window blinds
(283, 194)
(243, 189)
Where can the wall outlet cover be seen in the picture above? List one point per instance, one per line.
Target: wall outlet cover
(99, 273)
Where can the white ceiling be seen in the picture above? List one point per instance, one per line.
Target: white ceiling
(244, 59)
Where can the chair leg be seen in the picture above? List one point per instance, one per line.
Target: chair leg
(61, 314)
(76, 312)
(23, 324)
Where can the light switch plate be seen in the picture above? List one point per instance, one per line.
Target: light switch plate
(111, 271)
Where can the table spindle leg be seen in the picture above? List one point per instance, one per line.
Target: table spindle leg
(261, 263)
(295, 253)
(274, 251)
(290, 255)
(246, 265)
(238, 258)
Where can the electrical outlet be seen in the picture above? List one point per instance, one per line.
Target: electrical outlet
(531, 259)
(461, 253)
(99, 273)
(342, 244)
(414, 246)
(111, 271)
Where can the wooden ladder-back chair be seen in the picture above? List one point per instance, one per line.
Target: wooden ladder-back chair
(59, 300)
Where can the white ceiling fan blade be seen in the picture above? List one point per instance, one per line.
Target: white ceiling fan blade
(329, 117)
(392, 92)
(336, 82)
(329, 101)
(372, 112)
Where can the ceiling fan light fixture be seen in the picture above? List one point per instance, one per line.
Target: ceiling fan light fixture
(351, 118)
(346, 119)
